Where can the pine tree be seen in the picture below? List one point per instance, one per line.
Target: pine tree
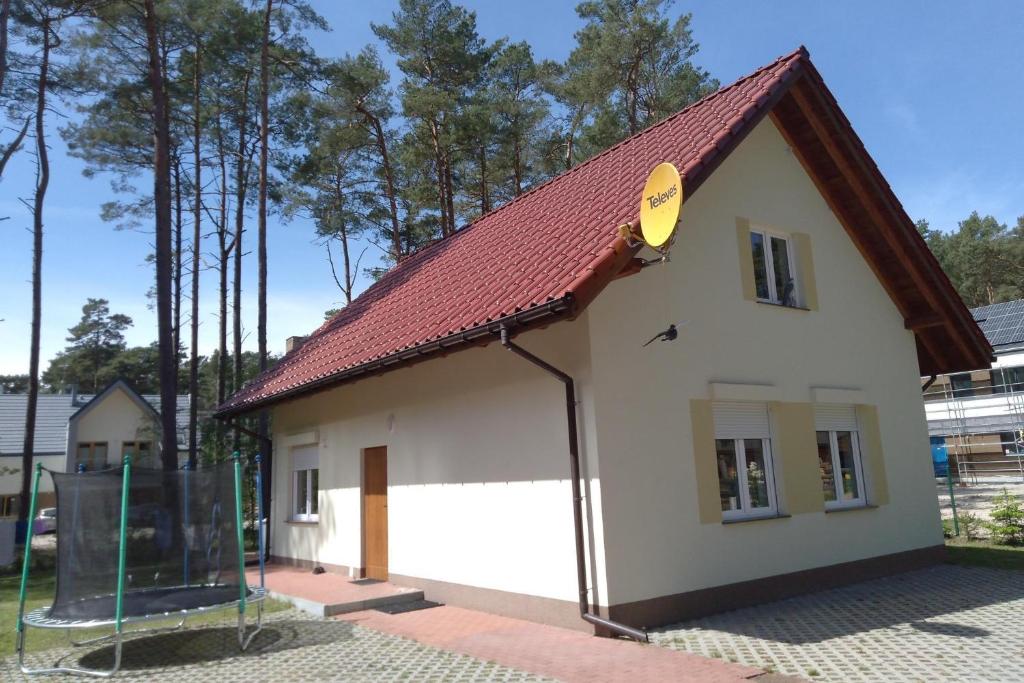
(632, 66)
(442, 58)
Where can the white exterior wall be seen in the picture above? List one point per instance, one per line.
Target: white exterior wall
(655, 543)
(478, 468)
(10, 473)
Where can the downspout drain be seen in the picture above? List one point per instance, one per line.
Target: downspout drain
(577, 495)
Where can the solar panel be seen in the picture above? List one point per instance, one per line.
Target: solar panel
(1003, 324)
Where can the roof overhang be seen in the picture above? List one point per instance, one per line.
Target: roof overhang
(947, 337)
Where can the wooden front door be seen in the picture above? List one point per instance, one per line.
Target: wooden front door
(375, 512)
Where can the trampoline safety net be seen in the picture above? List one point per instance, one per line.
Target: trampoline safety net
(182, 548)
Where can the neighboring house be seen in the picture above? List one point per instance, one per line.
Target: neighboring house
(72, 429)
(772, 448)
(976, 419)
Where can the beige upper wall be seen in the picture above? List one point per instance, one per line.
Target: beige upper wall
(114, 419)
(655, 541)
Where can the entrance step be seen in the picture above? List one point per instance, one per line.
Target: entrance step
(327, 595)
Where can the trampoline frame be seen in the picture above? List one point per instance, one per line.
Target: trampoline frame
(38, 618)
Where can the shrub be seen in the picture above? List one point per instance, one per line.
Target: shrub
(970, 525)
(1007, 525)
(947, 527)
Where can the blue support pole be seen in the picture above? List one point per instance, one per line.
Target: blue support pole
(259, 513)
(240, 537)
(122, 547)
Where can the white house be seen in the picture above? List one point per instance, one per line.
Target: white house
(775, 445)
(72, 429)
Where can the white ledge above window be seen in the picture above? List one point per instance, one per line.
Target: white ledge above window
(838, 395)
(300, 439)
(730, 391)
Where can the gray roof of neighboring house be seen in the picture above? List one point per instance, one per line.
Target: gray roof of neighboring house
(52, 415)
(1003, 325)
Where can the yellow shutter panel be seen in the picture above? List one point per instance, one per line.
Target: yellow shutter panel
(705, 462)
(872, 455)
(796, 458)
(805, 270)
(746, 259)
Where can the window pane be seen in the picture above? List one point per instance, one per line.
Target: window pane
(757, 474)
(760, 265)
(728, 475)
(314, 488)
(783, 277)
(828, 479)
(963, 387)
(99, 457)
(301, 492)
(847, 466)
(1014, 378)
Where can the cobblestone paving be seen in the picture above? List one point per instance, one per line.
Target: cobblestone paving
(945, 623)
(293, 646)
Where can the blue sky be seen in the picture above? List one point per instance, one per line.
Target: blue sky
(935, 90)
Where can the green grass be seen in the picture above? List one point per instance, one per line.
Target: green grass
(984, 554)
(41, 588)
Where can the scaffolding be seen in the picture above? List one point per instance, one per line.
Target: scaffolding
(983, 419)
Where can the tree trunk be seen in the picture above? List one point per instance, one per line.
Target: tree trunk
(449, 191)
(162, 205)
(42, 182)
(178, 218)
(517, 165)
(442, 205)
(5, 15)
(261, 325)
(241, 189)
(197, 160)
(223, 259)
(485, 200)
(389, 184)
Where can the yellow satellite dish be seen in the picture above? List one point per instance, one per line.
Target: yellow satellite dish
(659, 206)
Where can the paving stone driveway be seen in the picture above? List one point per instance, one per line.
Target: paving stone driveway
(945, 623)
(292, 647)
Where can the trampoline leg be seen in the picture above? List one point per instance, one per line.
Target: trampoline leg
(20, 644)
(243, 639)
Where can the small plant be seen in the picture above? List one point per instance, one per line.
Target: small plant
(971, 525)
(1007, 525)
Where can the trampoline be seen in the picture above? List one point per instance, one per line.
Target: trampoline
(138, 545)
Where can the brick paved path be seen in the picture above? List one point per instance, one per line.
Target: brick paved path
(945, 623)
(292, 647)
(570, 656)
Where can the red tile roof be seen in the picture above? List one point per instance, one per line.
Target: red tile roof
(536, 250)
(544, 255)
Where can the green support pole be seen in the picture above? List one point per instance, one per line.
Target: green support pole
(238, 526)
(952, 500)
(122, 552)
(27, 558)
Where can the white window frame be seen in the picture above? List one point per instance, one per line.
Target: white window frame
(833, 426)
(774, 296)
(746, 510)
(738, 435)
(837, 472)
(305, 463)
